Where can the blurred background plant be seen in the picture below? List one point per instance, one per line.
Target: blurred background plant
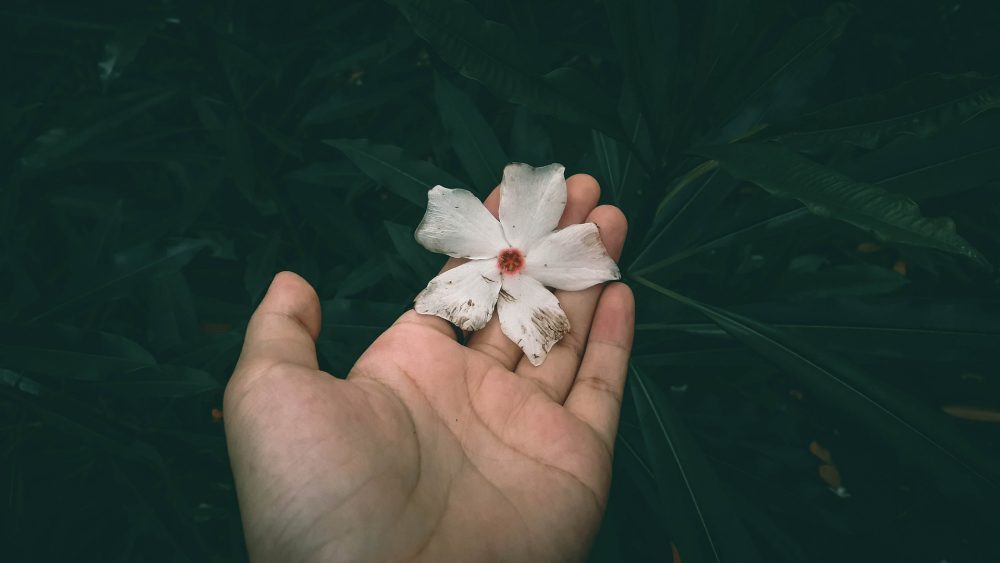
(813, 377)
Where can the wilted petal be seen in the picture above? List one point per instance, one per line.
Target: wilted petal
(457, 224)
(531, 202)
(530, 316)
(573, 258)
(464, 295)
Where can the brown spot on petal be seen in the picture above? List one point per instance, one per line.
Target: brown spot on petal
(506, 296)
(551, 325)
(462, 314)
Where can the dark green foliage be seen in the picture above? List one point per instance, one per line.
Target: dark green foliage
(159, 162)
(891, 217)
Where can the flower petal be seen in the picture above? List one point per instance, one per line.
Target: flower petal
(531, 202)
(573, 258)
(464, 295)
(457, 224)
(530, 316)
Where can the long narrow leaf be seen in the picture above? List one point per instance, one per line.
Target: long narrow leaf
(829, 193)
(766, 227)
(505, 62)
(960, 159)
(404, 176)
(946, 331)
(472, 138)
(63, 147)
(702, 522)
(646, 34)
(921, 434)
(919, 108)
(743, 96)
(133, 264)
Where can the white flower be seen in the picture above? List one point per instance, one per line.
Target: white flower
(511, 261)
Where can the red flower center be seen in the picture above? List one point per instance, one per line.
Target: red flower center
(510, 261)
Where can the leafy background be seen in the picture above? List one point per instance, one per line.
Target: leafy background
(814, 372)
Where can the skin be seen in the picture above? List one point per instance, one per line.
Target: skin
(430, 450)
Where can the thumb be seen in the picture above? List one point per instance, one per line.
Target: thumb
(283, 329)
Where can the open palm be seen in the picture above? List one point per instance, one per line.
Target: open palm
(430, 449)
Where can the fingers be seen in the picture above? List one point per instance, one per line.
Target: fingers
(582, 194)
(596, 395)
(556, 374)
(283, 329)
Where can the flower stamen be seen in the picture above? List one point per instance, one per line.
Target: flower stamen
(510, 261)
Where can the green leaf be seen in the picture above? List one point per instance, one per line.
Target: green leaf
(104, 239)
(609, 167)
(957, 160)
(346, 316)
(732, 358)
(143, 465)
(59, 146)
(69, 352)
(743, 97)
(339, 62)
(20, 290)
(919, 108)
(950, 332)
(171, 317)
(163, 381)
(366, 275)
(317, 194)
(840, 280)
(702, 522)
(359, 101)
(729, 35)
(121, 50)
(262, 265)
(135, 263)
(681, 215)
(960, 159)
(529, 140)
(768, 227)
(227, 130)
(424, 263)
(338, 174)
(404, 176)
(472, 138)
(828, 193)
(920, 434)
(113, 362)
(349, 328)
(646, 34)
(617, 168)
(493, 54)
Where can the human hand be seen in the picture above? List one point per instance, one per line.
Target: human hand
(430, 449)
